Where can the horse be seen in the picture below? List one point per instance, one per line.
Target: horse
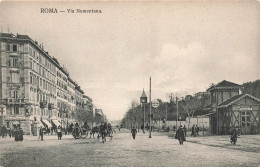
(93, 131)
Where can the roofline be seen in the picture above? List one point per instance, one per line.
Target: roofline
(228, 87)
(248, 95)
(38, 47)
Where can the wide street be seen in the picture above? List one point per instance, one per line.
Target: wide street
(160, 150)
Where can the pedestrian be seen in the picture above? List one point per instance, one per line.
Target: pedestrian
(41, 133)
(133, 131)
(185, 130)
(197, 130)
(59, 132)
(20, 134)
(16, 134)
(193, 133)
(174, 128)
(180, 135)
(10, 132)
(233, 138)
(4, 132)
(142, 127)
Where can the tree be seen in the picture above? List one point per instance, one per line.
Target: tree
(83, 115)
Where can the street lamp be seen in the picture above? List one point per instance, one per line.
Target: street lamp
(143, 101)
(2, 114)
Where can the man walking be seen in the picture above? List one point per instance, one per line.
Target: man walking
(133, 131)
(59, 132)
(41, 133)
(233, 138)
(180, 135)
(185, 130)
(193, 133)
(197, 130)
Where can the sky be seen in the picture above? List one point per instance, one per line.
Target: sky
(183, 46)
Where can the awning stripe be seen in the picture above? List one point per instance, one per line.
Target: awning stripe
(56, 122)
(46, 122)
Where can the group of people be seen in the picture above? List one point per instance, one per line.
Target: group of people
(16, 132)
(195, 130)
(6, 131)
(59, 132)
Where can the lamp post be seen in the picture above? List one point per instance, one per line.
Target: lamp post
(150, 135)
(143, 101)
(2, 114)
(177, 113)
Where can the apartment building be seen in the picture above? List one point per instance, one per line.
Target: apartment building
(35, 90)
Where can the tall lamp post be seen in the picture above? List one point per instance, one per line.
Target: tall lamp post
(143, 101)
(177, 113)
(2, 107)
(150, 95)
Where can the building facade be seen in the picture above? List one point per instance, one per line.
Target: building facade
(35, 90)
(229, 109)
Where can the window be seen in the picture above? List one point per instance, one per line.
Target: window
(31, 63)
(37, 81)
(245, 118)
(40, 70)
(21, 47)
(8, 47)
(15, 94)
(15, 48)
(14, 77)
(38, 97)
(13, 62)
(40, 82)
(43, 84)
(16, 110)
(31, 78)
(30, 50)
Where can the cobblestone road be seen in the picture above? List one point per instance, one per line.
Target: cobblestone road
(121, 151)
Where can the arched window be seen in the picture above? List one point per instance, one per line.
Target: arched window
(8, 47)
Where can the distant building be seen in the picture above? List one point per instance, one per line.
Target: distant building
(188, 97)
(200, 95)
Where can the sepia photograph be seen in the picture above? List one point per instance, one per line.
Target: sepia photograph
(130, 83)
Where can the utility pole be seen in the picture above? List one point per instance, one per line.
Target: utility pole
(177, 112)
(166, 115)
(150, 135)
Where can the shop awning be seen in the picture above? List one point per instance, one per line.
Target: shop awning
(56, 122)
(47, 123)
(38, 122)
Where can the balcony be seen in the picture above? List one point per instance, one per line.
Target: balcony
(12, 101)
